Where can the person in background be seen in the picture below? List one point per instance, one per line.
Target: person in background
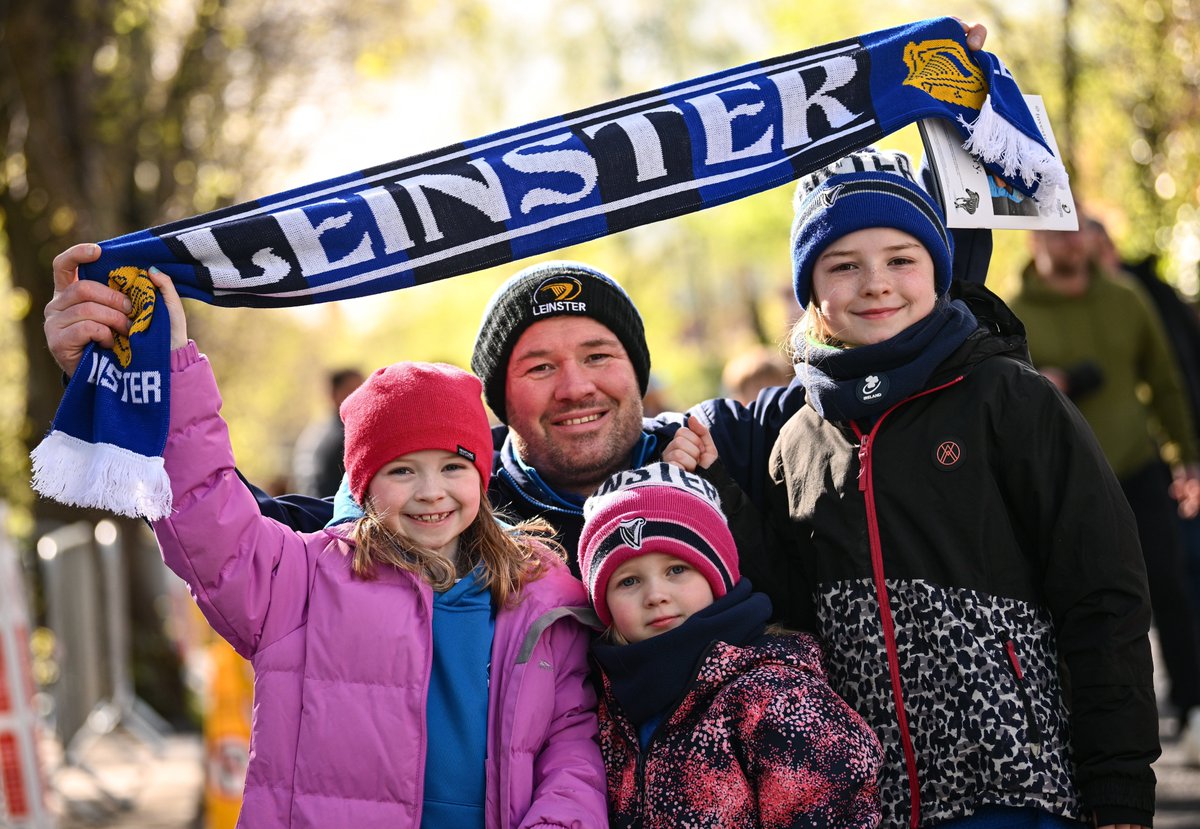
(708, 717)
(750, 371)
(317, 459)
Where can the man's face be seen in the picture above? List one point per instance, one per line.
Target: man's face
(1058, 253)
(574, 405)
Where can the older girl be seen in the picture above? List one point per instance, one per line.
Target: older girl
(951, 530)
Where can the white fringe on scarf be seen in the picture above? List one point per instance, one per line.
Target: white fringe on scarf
(101, 475)
(998, 142)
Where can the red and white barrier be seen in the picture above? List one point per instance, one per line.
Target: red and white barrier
(22, 784)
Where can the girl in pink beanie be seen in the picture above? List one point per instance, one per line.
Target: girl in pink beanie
(706, 717)
(422, 666)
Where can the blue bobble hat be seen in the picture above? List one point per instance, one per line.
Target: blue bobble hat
(865, 189)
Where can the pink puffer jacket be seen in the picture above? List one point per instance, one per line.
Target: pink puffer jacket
(342, 665)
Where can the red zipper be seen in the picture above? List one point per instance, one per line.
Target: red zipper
(866, 486)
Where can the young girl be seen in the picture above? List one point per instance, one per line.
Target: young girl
(705, 719)
(417, 668)
(952, 531)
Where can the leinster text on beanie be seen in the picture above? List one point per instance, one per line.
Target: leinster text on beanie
(866, 189)
(656, 509)
(543, 291)
(409, 407)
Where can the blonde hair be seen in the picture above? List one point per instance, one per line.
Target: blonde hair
(811, 331)
(511, 558)
(613, 636)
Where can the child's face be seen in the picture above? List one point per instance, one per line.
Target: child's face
(872, 284)
(429, 497)
(654, 593)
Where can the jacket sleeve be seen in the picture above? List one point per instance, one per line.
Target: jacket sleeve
(766, 549)
(744, 435)
(568, 773)
(303, 513)
(1067, 505)
(811, 759)
(248, 574)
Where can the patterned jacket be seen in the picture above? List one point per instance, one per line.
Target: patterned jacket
(949, 555)
(758, 740)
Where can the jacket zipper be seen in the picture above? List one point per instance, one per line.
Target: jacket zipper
(1035, 732)
(866, 485)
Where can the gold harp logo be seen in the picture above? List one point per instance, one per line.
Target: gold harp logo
(135, 284)
(942, 69)
(558, 289)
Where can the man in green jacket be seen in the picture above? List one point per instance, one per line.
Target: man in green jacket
(1096, 335)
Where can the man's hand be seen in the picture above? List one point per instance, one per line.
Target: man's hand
(1185, 489)
(82, 311)
(692, 447)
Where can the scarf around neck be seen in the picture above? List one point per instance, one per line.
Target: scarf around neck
(863, 382)
(513, 194)
(648, 676)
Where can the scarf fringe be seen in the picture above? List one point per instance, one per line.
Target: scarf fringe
(101, 475)
(996, 141)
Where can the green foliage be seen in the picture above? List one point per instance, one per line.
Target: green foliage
(14, 458)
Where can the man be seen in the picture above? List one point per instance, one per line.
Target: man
(317, 459)
(1095, 335)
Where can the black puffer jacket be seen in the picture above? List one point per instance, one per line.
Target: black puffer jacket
(981, 514)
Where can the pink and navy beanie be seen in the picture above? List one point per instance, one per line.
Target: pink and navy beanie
(409, 407)
(656, 509)
(870, 188)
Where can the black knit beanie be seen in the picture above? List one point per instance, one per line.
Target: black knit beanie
(542, 291)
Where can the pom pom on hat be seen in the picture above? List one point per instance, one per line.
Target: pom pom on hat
(409, 407)
(656, 509)
(866, 189)
(544, 291)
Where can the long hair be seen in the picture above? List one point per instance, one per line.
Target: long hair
(511, 558)
(812, 327)
(810, 331)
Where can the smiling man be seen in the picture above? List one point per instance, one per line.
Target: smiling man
(562, 355)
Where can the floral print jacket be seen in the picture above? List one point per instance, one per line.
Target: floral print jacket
(758, 740)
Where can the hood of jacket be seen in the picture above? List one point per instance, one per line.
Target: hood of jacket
(1000, 332)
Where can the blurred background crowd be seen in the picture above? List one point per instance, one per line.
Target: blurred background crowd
(117, 115)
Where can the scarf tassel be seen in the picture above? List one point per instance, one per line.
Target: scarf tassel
(101, 476)
(995, 141)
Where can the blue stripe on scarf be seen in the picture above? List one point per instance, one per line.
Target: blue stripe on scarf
(554, 183)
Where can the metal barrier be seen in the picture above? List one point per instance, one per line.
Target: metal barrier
(87, 608)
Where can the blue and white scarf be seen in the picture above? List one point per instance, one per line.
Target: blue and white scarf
(514, 194)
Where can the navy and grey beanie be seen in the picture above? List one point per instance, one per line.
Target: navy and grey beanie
(544, 291)
(871, 188)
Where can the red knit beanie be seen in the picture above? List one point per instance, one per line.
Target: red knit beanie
(656, 509)
(409, 407)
